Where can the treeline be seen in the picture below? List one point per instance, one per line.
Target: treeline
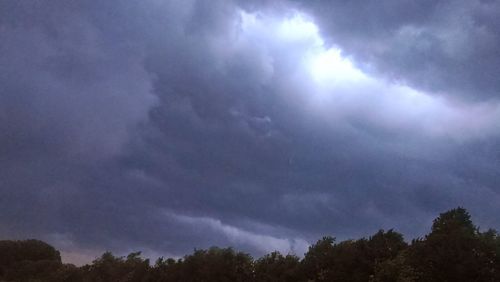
(454, 250)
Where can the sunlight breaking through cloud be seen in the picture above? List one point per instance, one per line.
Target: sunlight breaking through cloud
(337, 88)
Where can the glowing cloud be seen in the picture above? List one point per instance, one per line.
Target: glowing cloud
(333, 87)
(328, 66)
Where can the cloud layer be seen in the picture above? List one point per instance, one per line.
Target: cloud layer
(167, 126)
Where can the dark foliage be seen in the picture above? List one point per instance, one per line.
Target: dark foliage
(29, 260)
(275, 267)
(454, 250)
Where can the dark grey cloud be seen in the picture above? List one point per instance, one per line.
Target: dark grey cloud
(65, 83)
(166, 125)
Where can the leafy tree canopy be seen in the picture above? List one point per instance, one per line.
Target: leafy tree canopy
(455, 250)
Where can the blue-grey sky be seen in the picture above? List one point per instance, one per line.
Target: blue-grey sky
(165, 126)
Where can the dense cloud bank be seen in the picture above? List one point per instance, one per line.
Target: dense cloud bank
(167, 125)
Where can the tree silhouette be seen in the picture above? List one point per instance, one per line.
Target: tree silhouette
(27, 260)
(455, 250)
(278, 268)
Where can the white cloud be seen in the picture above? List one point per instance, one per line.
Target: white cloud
(331, 87)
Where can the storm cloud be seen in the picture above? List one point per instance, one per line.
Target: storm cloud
(453, 44)
(165, 126)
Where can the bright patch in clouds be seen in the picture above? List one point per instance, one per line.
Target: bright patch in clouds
(328, 66)
(299, 27)
(336, 88)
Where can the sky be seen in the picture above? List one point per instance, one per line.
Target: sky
(165, 126)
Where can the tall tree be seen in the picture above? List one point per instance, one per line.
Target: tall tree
(455, 250)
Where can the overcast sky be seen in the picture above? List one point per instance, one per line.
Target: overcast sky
(165, 126)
